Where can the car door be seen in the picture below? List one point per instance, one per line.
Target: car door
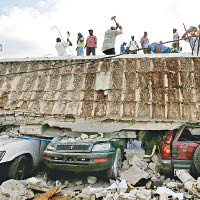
(184, 144)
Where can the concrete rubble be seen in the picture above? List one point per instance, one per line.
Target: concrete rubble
(4, 133)
(14, 190)
(137, 180)
(134, 174)
(191, 184)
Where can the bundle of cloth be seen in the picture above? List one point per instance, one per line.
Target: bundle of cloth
(160, 48)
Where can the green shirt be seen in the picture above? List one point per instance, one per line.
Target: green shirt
(81, 42)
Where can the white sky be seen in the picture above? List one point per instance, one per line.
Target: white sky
(26, 24)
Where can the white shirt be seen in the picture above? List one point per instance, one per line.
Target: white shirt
(61, 48)
(193, 43)
(175, 36)
(110, 38)
(133, 45)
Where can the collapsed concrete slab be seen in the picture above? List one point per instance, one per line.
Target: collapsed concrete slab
(154, 92)
(134, 174)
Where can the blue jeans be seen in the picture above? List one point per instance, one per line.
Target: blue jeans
(79, 51)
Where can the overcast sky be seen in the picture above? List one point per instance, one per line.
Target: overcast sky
(26, 24)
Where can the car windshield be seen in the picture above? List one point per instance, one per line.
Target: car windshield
(190, 134)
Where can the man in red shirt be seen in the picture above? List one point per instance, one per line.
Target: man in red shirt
(91, 43)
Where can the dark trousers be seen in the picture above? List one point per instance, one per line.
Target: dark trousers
(132, 51)
(109, 51)
(175, 45)
(90, 50)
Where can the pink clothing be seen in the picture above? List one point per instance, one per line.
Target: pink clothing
(91, 41)
(144, 41)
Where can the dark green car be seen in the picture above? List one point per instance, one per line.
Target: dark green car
(85, 155)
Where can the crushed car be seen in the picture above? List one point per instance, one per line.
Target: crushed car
(85, 153)
(180, 149)
(19, 154)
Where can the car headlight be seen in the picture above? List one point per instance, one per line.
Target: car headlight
(101, 147)
(2, 153)
(51, 146)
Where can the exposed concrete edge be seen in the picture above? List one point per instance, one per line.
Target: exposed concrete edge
(98, 126)
(161, 55)
(117, 130)
(101, 125)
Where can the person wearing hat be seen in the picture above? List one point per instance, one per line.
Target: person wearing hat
(80, 44)
(108, 47)
(91, 43)
(192, 38)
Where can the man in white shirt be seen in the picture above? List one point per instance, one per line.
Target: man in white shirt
(109, 40)
(133, 46)
(61, 47)
(193, 39)
(175, 44)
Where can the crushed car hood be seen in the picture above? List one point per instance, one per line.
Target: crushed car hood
(66, 140)
(5, 140)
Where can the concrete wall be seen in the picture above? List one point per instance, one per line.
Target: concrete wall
(126, 88)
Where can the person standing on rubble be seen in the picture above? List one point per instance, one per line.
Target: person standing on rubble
(175, 44)
(61, 47)
(193, 39)
(133, 46)
(80, 44)
(108, 47)
(144, 41)
(91, 43)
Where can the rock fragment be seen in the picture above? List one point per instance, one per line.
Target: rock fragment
(92, 179)
(125, 165)
(188, 181)
(173, 185)
(134, 174)
(79, 182)
(15, 190)
(198, 184)
(143, 194)
(84, 136)
(93, 136)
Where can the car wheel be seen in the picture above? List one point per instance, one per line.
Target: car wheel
(196, 159)
(113, 172)
(18, 168)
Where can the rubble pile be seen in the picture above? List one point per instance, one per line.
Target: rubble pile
(139, 179)
(10, 131)
(83, 137)
(5, 134)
